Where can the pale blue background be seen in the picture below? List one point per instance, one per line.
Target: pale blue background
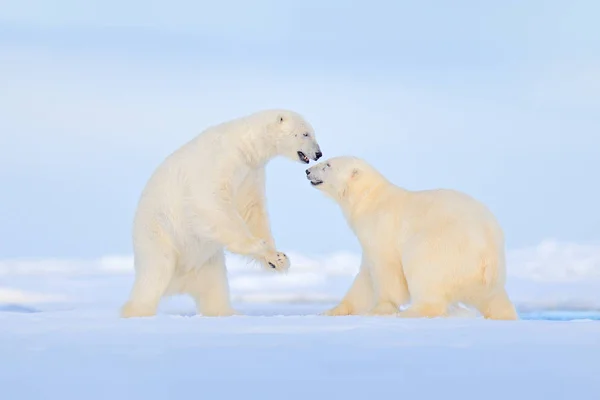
(500, 99)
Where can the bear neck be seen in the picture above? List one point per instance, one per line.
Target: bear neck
(257, 148)
(365, 197)
(360, 194)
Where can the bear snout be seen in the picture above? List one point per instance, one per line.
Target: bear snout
(307, 172)
(317, 156)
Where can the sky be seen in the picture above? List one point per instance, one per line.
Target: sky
(497, 99)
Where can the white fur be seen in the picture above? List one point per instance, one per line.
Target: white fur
(208, 197)
(432, 248)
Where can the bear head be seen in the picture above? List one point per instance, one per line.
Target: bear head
(295, 137)
(333, 176)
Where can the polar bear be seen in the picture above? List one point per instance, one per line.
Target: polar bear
(207, 197)
(432, 248)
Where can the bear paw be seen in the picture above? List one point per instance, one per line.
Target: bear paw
(337, 311)
(384, 309)
(225, 312)
(277, 261)
(132, 310)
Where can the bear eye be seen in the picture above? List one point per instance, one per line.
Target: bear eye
(305, 135)
(329, 165)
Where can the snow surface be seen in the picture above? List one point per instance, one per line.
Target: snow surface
(61, 338)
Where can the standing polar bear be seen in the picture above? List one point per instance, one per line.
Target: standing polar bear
(432, 248)
(208, 197)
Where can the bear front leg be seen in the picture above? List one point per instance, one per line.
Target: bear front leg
(240, 240)
(251, 205)
(359, 298)
(389, 283)
(226, 227)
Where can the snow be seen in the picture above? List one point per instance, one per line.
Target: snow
(93, 355)
(61, 338)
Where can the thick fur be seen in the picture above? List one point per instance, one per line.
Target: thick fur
(208, 197)
(432, 248)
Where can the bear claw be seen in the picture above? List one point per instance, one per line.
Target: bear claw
(277, 261)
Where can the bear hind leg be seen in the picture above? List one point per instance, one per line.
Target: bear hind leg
(497, 306)
(209, 286)
(153, 276)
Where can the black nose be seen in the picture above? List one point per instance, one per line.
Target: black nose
(319, 155)
(307, 172)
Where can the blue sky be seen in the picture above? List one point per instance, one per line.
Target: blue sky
(499, 99)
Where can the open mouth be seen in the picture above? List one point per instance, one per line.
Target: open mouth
(316, 183)
(303, 157)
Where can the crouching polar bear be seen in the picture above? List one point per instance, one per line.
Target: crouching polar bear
(432, 248)
(208, 197)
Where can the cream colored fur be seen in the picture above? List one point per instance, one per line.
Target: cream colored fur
(208, 197)
(432, 248)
